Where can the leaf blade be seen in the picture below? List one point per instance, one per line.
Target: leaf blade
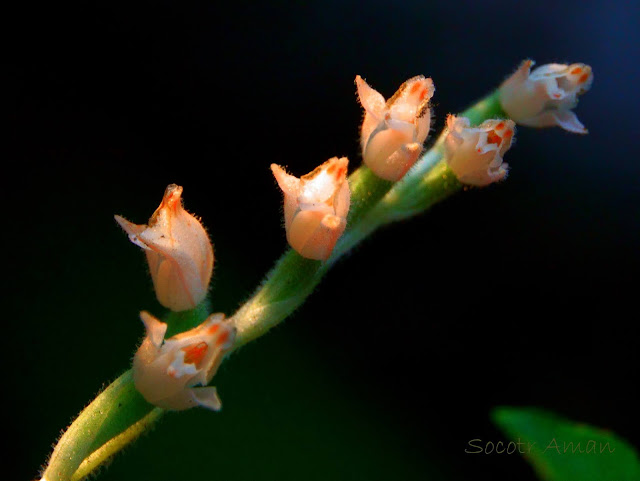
(565, 450)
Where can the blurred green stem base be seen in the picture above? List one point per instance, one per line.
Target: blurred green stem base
(116, 410)
(119, 414)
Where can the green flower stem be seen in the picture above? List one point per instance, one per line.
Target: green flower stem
(366, 190)
(115, 418)
(374, 202)
(178, 322)
(115, 444)
(293, 278)
(120, 414)
(114, 411)
(487, 108)
(429, 182)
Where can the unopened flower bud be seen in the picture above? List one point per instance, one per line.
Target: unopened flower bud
(315, 207)
(166, 371)
(545, 96)
(393, 132)
(474, 154)
(179, 252)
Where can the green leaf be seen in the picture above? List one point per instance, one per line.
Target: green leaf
(565, 450)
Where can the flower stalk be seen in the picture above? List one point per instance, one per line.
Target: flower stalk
(119, 414)
(374, 203)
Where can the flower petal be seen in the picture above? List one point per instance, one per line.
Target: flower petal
(371, 100)
(206, 397)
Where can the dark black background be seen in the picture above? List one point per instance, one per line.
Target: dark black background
(524, 293)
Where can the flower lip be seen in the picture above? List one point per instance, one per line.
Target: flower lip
(195, 353)
(495, 137)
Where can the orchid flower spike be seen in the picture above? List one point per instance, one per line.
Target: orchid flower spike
(393, 132)
(166, 371)
(474, 154)
(315, 207)
(545, 97)
(179, 253)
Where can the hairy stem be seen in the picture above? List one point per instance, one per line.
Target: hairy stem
(115, 444)
(119, 414)
(115, 418)
(112, 412)
(374, 203)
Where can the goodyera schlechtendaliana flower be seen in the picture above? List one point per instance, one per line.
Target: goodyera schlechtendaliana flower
(179, 253)
(166, 371)
(315, 207)
(474, 154)
(392, 132)
(545, 96)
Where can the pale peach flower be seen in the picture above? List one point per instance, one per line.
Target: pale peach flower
(166, 372)
(474, 154)
(315, 207)
(545, 96)
(393, 132)
(179, 252)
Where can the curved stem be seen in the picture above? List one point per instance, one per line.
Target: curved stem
(116, 417)
(115, 444)
(120, 414)
(113, 411)
(374, 202)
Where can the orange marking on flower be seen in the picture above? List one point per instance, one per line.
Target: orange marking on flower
(340, 173)
(508, 133)
(222, 338)
(500, 126)
(213, 329)
(195, 353)
(493, 138)
(331, 168)
(171, 199)
(557, 95)
(584, 78)
(576, 71)
(416, 86)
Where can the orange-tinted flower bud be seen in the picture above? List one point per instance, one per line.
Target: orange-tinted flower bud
(474, 154)
(393, 131)
(179, 252)
(315, 207)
